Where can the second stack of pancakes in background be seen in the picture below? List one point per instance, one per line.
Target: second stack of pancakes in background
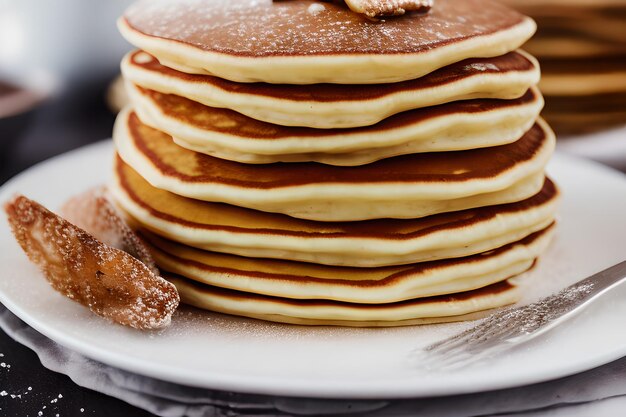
(581, 45)
(297, 162)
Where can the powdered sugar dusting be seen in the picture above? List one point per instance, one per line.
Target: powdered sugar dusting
(504, 329)
(20, 396)
(265, 28)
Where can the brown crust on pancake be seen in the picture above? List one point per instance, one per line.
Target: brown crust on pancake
(280, 224)
(585, 121)
(592, 103)
(585, 113)
(492, 289)
(570, 9)
(396, 273)
(266, 28)
(230, 122)
(510, 62)
(443, 167)
(575, 38)
(584, 66)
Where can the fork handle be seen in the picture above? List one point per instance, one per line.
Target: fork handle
(601, 282)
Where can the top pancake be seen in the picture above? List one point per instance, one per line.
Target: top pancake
(293, 43)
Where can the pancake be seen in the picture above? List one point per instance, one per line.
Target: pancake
(235, 230)
(583, 24)
(279, 278)
(580, 5)
(603, 30)
(340, 106)
(407, 186)
(594, 103)
(574, 85)
(583, 77)
(585, 121)
(585, 113)
(291, 42)
(439, 309)
(574, 66)
(563, 46)
(229, 135)
(573, 16)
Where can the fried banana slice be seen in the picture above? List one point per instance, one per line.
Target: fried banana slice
(93, 212)
(112, 283)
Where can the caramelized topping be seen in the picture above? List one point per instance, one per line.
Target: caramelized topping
(108, 281)
(381, 8)
(93, 212)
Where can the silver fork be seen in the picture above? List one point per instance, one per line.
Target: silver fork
(511, 326)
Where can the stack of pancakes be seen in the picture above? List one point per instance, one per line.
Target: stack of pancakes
(581, 45)
(296, 162)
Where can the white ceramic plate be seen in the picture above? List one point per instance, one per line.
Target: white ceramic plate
(228, 353)
(607, 146)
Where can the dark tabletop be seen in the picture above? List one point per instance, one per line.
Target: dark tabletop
(66, 122)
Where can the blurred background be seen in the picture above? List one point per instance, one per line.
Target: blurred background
(582, 48)
(58, 60)
(581, 45)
